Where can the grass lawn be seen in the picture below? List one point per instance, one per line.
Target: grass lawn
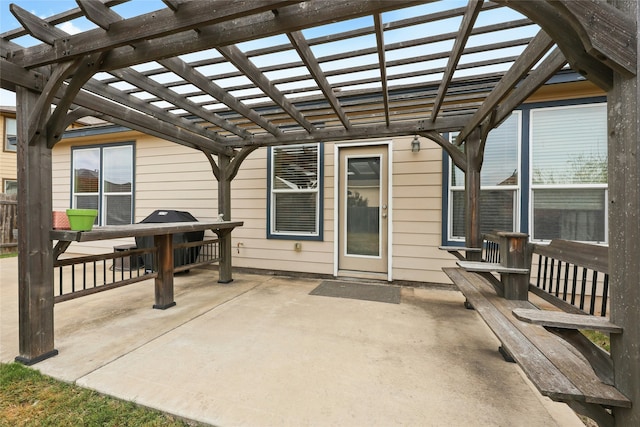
(28, 398)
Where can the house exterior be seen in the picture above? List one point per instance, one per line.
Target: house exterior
(374, 208)
(8, 163)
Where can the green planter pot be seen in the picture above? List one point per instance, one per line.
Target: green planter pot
(81, 219)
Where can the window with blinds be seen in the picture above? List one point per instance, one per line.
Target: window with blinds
(569, 173)
(499, 179)
(295, 176)
(103, 180)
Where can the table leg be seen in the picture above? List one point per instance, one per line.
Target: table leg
(164, 280)
(224, 270)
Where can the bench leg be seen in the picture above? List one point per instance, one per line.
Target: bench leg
(506, 355)
(468, 305)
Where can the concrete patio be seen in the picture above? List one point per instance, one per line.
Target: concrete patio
(261, 351)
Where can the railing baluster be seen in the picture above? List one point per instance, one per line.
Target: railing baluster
(553, 264)
(544, 276)
(558, 276)
(575, 285)
(566, 281)
(60, 274)
(605, 293)
(584, 288)
(594, 293)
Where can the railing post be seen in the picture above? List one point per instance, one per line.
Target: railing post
(473, 236)
(224, 207)
(515, 252)
(35, 251)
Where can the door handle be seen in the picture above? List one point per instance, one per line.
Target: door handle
(384, 215)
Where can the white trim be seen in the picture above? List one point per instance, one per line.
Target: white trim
(517, 188)
(336, 195)
(533, 186)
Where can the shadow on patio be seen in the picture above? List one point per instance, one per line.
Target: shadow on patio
(261, 351)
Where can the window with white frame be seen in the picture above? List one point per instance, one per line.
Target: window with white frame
(499, 179)
(295, 191)
(569, 173)
(102, 179)
(10, 134)
(10, 186)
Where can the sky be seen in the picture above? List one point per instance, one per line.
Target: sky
(47, 8)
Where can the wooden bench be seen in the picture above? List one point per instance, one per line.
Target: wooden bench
(548, 345)
(559, 360)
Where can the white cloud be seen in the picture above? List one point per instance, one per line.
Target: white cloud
(68, 27)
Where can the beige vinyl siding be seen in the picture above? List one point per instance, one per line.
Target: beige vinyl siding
(8, 159)
(417, 212)
(249, 204)
(170, 176)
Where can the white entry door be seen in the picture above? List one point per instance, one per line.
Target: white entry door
(363, 209)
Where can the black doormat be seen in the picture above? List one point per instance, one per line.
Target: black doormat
(379, 293)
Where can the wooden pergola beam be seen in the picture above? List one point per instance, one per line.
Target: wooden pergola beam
(466, 26)
(442, 124)
(205, 84)
(253, 73)
(594, 36)
(290, 18)
(145, 83)
(308, 58)
(154, 25)
(525, 62)
(104, 17)
(547, 69)
(382, 64)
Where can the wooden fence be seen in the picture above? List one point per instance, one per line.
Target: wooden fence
(8, 223)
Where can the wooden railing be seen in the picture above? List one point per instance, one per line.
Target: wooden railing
(8, 223)
(81, 276)
(572, 276)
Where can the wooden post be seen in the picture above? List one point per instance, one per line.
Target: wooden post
(515, 253)
(35, 252)
(164, 280)
(624, 230)
(224, 207)
(473, 236)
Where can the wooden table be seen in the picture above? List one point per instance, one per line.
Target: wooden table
(163, 239)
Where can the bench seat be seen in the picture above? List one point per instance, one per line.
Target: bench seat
(554, 366)
(490, 267)
(560, 319)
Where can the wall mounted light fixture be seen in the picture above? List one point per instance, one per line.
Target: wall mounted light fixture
(415, 144)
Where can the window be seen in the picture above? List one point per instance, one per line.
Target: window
(295, 192)
(10, 186)
(10, 134)
(499, 180)
(103, 180)
(569, 173)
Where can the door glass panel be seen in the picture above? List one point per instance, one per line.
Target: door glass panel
(363, 206)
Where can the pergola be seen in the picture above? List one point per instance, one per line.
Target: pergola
(227, 77)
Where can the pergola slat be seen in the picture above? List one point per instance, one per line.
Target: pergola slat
(197, 79)
(253, 73)
(154, 25)
(531, 55)
(302, 47)
(473, 9)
